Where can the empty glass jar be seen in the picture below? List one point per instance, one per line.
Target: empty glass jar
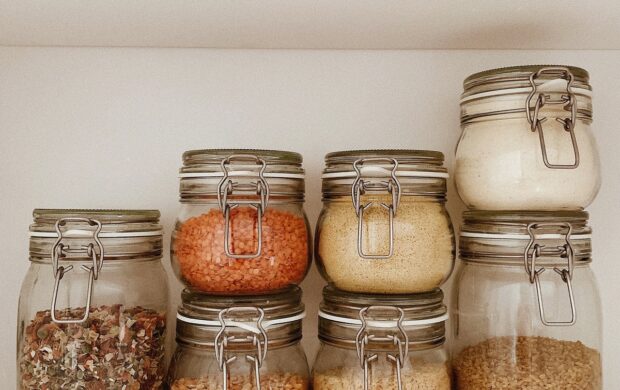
(384, 227)
(242, 228)
(92, 308)
(382, 342)
(239, 343)
(526, 141)
(526, 308)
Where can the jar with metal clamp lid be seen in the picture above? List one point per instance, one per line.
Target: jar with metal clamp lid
(92, 308)
(526, 307)
(526, 141)
(239, 343)
(384, 227)
(242, 228)
(382, 342)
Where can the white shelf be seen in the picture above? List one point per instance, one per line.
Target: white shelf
(318, 24)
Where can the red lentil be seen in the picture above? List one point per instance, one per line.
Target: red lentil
(204, 266)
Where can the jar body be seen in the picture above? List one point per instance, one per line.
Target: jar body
(200, 260)
(500, 166)
(338, 368)
(423, 245)
(500, 341)
(119, 346)
(194, 367)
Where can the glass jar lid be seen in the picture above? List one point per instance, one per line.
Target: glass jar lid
(210, 174)
(242, 321)
(505, 237)
(402, 172)
(115, 234)
(379, 322)
(519, 76)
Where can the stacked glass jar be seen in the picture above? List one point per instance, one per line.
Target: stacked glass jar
(526, 309)
(385, 244)
(241, 245)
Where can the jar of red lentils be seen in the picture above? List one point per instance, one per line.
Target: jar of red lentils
(242, 228)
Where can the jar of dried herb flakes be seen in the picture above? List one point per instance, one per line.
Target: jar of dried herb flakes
(527, 142)
(527, 313)
(382, 342)
(245, 342)
(242, 228)
(92, 309)
(384, 227)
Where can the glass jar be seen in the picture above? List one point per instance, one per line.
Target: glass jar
(384, 227)
(527, 312)
(382, 342)
(105, 327)
(526, 141)
(239, 343)
(242, 228)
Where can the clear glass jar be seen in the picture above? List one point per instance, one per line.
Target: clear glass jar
(239, 343)
(219, 244)
(518, 324)
(105, 327)
(526, 141)
(384, 227)
(382, 342)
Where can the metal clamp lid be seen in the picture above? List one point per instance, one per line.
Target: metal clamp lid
(227, 186)
(400, 340)
(60, 250)
(259, 341)
(533, 251)
(568, 102)
(359, 187)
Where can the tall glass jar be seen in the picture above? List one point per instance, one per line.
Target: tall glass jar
(526, 307)
(239, 343)
(526, 141)
(92, 308)
(242, 228)
(384, 227)
(382, 342)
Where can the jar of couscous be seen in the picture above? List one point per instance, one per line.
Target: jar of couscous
(239, 343)
(382, 342)
(526, 141)
(526, 309)
(242, 228)
(384, 227)
(92, 308)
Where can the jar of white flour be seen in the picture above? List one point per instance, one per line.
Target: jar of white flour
(526, 141)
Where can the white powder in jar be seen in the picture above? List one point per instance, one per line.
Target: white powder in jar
(423, 246)
(499, 166)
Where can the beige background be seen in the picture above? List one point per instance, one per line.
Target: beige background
(90, 127)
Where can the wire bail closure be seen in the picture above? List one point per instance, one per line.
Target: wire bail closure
(533, 251)
(363, 338)
(569, 103)
(259, 341)
(227, 186)
(359, 187)
(60, 251)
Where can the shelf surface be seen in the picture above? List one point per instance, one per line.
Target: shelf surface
(318, 24)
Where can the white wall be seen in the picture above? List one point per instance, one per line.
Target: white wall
(106, 128)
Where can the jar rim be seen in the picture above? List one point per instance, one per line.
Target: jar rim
(419, 306)
(520, 73)
(204, 306)
(215, 156)
(404, 156)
